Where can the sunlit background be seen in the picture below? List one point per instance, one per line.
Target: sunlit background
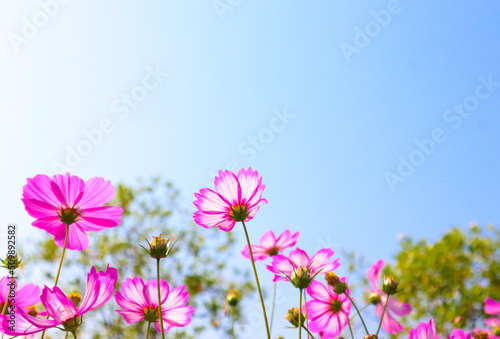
(367, 121)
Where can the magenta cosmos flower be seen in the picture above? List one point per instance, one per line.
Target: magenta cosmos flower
(424, 331)
(459, 334)
(140, 302)
(269, 245)
(389, 324)
(68, 310)
(491, 306)
(284, 267)
(67, 199)
(236, 198)
(328, 312)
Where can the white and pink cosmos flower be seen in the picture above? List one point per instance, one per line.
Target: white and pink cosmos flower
(424, 330)
(67, 199)
(492, 307)
(328, 312)
(236, 198)
(139, 301)
(389, 324)
(283, 267)
(64, 310)
(269, 245)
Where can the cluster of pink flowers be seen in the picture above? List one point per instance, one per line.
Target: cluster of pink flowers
(67, 207)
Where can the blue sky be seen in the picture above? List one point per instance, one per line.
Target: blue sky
(329, 101)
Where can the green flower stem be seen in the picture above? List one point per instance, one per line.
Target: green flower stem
(257, 281)
(59, 269)
(149, 326)
(74, 334)
(300, 314)
(232, 322)
(382, 317)
(5, 304)
(272, 310)
(159, 297)
(356, 307)
(308, 333)
(305, 314)
(350, 329)
(354, 316)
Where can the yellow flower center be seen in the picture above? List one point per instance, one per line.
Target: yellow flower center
(151, 314)
(239, 212)
(76, 298)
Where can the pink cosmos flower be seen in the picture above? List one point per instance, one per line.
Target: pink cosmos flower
(424, 330)
(69, 200)
(65, 310)
(491, 306)
(389, 324)
(140, 302)
(269, 245)
(459, 334)
(284, 267)
(236, 198)
(328, 312)
(23, 298)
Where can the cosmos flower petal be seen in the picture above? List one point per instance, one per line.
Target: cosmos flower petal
(67, 188)
(299, 258)
(492, 322)
(151, 292)
(285, 240)
(227, 185)
(459, 334)
(176, 298)
(50, 224)
(98, 218)
(127, 304)
(21, 325)
(374, 273)
(491, 306)
(398, 308)
(389, 324)
(317, 309)
(179, 316)
(59, 306)
(268, 239)
(131, 317)
(318, 291)
(259, 253)
(27, 295)
(208, 200)
(249, 183)
(424, 331)
(133, 290)
(77, 239)
(97, 193)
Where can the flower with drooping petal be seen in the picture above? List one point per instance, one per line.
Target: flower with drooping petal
(139, 301)
(459, 334)
(67, 199)
(284, 268)
(269, 245)
(491, 306)
(67, 310)
(328, 312)
(424, 331)
(389, 324)
(236, 198)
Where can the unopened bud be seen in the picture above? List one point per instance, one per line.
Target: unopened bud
(370, 336)
(11, 262)
(374, 298)
(390, 285)
(233, 297)
(293, 317)
(340, 288)
(159, 247)
(332, 279)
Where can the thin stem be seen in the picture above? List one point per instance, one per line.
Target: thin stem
(159, 297)
(232, 322)
(147, 333)
(354, 316)
(308, 333)
(257, 281)
(356, 307)
(272, 310)
(305, 315)
(7, 298)
(59, 269)
(66, 336)
(350, 329)
(300, 314)
(74, 334)
(382, 317)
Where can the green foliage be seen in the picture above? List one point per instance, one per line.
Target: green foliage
(197, 260)
(449, 278)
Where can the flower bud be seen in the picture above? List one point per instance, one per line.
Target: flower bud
(293, 317)
(390, 285)
(332, 279)
(340, 288)
(374, 298)
(496, 331)
(159, 247)
(301, 278)
(11, 262)
(370, 336)
(233, 297)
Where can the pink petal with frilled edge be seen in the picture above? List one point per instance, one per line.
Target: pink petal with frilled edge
(227, 185)
(317, 309)
(319, 261)
(399, 308)
(98, 218)
(210, 202)
(254, 209)
(50, 225)
(226, 224)
(108, 280)
(209, 220)
(333, 327)
(176, 298)
(491, 306)
(77, 239)
(459, 334)
(318, 291)
(285, 240)
(179, 317)
(38, 190)
(40, 209)
(249, 182)
(127, 304)
(424, 331)
(299, 257)
(256, 199)
(374, 273)
(279, 266)
(320, 322)
(492, 322)
(133, 290)
(131, 317)
(259, 253)
(389, 324)
(59, 306)
(166, 326)
(97, 193)
(151, 292)
(68, 189)
(268, 239)
(27, 295)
